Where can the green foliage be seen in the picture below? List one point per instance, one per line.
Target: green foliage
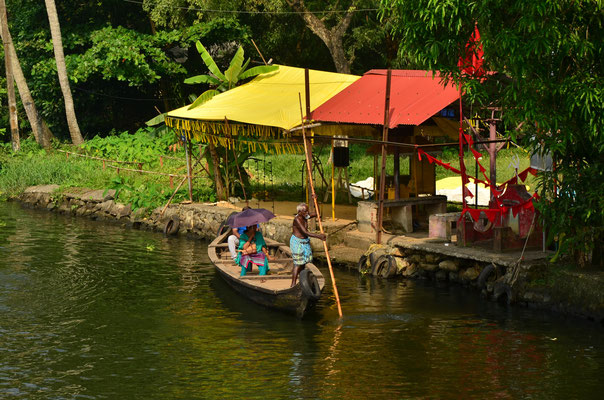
(147, 195)
(126, 55)
(144, 146)
(548, 62)
(224, 81)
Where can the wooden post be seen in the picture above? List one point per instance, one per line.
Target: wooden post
(461, 229)
(492, 152)
(314, 197)
(188, 157)
(333, 189)
(308, 145)
(383, 173)
(397, 172)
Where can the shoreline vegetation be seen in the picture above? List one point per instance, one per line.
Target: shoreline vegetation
(265, 176)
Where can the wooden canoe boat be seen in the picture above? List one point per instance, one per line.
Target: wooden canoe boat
(272, 290)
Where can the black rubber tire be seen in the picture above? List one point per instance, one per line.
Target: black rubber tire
(503, 292)
(485, 274)
(390, 268)
(380, 263)
(373, 258)
(310, 284)
(362, 264)
(385, 266)
(224, 227)
(172, 227)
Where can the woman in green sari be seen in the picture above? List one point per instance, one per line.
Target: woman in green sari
(253, 251)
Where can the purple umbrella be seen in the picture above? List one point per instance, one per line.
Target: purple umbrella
(251, 216)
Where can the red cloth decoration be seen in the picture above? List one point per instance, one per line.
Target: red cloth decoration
(471, 62)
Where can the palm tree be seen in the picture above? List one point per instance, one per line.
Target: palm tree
(57, 44)
(222, 82)
(41, 131)
(10, 84)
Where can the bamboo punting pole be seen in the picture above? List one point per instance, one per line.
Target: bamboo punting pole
(314, 197)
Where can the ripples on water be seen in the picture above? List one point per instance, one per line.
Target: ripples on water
(91, 310)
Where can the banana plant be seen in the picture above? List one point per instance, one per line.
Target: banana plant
(219, 81)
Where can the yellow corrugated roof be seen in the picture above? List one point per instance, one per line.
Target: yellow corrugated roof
(269, 99)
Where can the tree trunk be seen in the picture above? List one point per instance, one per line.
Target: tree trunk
(10, 84)
(38, 126)
(57, 44)
(217, 176)
(333, 38)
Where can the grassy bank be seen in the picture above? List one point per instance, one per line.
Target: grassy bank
(271, 176)
(35, 166)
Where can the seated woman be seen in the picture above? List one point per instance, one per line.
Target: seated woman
(252, 250)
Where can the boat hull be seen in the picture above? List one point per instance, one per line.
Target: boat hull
(272, 290)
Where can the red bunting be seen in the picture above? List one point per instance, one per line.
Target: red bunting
(476, 153)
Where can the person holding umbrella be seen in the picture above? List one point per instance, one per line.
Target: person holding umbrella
(253, 251)
(252, 247)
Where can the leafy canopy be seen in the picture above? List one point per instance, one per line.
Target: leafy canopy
(547, 58)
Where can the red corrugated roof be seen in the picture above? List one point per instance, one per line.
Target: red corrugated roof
(415, 96)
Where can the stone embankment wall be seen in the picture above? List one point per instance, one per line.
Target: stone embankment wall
(201, 220)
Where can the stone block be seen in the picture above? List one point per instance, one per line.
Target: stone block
(470, 274)
(449, 265)
(403, 217)
(428, 267)
(432, 258)
(367, 216)
(443, 225)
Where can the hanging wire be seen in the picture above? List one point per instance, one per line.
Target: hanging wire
(209, 10)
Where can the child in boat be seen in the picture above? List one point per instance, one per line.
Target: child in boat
(253, 251)
(233, 239)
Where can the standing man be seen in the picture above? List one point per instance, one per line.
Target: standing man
(300, 240)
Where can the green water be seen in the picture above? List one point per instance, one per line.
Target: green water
(96, 311)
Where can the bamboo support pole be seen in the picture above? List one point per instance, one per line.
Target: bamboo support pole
(176, 190)
(314, 197)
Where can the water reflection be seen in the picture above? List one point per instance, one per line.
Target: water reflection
(98, 311)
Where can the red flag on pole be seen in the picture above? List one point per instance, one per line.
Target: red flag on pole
(471, 62)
